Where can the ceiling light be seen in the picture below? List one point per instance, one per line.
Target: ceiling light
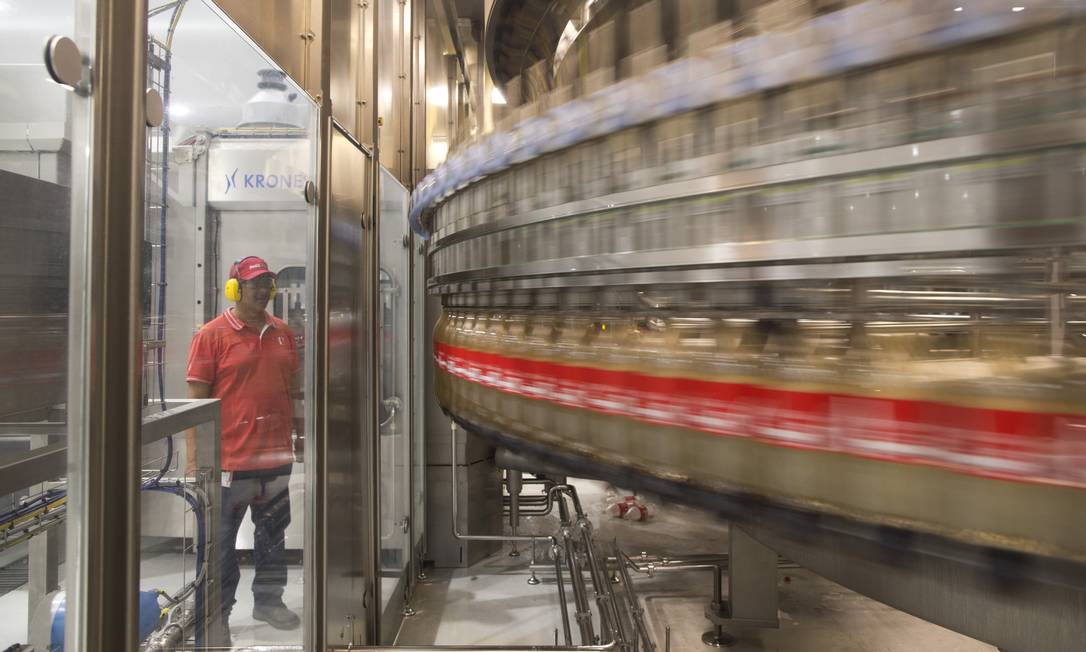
(1018, 8)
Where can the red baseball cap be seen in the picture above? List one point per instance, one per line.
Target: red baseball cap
(249, 268)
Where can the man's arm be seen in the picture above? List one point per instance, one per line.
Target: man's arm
(196, 390)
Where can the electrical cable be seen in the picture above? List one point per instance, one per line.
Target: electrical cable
(165, 465)
(197, 500)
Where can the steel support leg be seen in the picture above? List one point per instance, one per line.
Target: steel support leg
(513, 485)
(752, 590)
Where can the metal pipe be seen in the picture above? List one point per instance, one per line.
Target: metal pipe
(546, 499)
(173, 634)
(636, 611)
(672, 560)
(534, 512)
(556, 552)
(580, 596)
(692, 562)
(527, 500)
(572, 493)
(610, 616)
(456, 515)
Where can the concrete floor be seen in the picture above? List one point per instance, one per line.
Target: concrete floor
(491, 602)
(166, 569)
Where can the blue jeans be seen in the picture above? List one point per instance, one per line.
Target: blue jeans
(265, 492)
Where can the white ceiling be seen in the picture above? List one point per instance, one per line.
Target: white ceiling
(214, 68)
(26, 93)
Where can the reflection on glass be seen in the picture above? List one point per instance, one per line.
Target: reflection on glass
(420, 355)
(225, 307)
(36, 133)
(394, 360)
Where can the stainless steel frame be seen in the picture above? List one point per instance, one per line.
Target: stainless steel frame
(314, 562)
(31, 467)
(867, 162)
(203, 415)
(48, 464)
(916, 268)
(104, 339)
(346, 485)
(371, 292)
(393, 365)
(935, 243)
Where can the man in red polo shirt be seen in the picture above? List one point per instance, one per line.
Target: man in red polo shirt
(249, 360)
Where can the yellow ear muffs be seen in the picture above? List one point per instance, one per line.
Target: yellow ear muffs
(233, 290)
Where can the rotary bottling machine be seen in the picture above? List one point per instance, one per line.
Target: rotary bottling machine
(819, 272)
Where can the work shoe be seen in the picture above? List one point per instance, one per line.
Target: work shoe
(277, 615)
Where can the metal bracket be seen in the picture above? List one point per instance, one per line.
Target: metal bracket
(154, 111)
(64, 61)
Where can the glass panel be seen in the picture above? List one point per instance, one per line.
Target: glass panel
(394, 381)
(226, 300)
(350, 537)
(39, 131)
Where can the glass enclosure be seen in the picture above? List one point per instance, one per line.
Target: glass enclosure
(226, 310)
(226, 298)
(41, 125)
(394, 388)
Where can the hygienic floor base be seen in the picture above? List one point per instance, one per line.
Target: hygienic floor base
(491, 602)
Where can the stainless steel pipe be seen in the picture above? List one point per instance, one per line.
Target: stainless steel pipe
(610, 615)
(556, 553)
(636, 612)
(456, 508)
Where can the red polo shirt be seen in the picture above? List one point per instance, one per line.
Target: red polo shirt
(250, 370)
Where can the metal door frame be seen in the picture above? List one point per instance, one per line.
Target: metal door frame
(104, 386)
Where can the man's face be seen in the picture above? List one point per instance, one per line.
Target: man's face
(256, 293)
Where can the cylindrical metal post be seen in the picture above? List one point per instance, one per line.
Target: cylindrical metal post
(718, 586)
(1057, 308)
(513, 485)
